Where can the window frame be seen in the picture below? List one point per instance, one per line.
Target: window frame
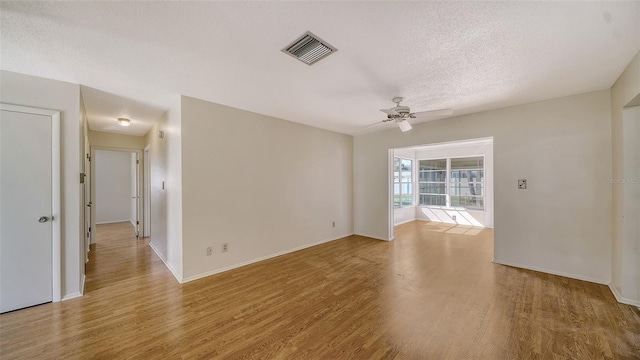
(482, 183)
(444, 182)
(448, 184)
(411, 182)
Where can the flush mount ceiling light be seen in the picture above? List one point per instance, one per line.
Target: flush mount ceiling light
(309, 48)
(124, 122)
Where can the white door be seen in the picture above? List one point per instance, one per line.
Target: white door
(26, 209)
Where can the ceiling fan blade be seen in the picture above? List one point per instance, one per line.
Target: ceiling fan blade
(404, 125)
(439, 112)
(391, 111)
(376, 126)
(377, 123)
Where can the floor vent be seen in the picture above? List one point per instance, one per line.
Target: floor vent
(309, 48)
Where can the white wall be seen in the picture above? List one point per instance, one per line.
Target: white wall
(119, 141)
(464, 217)
(113, 186)
(263, 185)
(166, 203)
(562, 223)
(625, 271)
(32, 91)
(404, 215)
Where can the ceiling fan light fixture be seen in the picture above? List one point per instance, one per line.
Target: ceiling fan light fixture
(124, 122)
(401, 113)
(404, 125)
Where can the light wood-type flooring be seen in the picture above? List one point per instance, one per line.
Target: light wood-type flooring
(433, 293)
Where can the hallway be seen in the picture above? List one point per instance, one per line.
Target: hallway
(118, 257)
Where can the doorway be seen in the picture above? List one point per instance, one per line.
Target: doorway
(117, 195)
(449, 183)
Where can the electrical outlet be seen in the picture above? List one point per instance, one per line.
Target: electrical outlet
(453, 217)
(522, 183)
(225, 247)
(334, 224)
(209, 251)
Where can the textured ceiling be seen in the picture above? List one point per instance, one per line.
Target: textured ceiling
(135, 58)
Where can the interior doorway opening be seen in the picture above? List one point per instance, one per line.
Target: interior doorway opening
(117, 189)
(449, 183)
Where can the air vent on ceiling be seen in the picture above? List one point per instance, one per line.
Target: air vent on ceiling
(309, 48)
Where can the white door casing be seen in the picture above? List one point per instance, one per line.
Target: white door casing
(135, 192)
(29, 191)
(147, 193)
(139, 194)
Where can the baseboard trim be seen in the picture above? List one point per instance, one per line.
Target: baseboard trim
(621, 299)
(71, 296)
(552, 272)
(404, 222)
(374, 237)
(248, 262)
(171, 269)
(112, 222)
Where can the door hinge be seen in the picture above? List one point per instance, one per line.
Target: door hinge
(82, 176)
(89, 228)
(137, 222)
(137, 161)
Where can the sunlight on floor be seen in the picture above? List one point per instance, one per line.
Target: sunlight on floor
(452, 229)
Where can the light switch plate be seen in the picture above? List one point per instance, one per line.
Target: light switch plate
(522, 183)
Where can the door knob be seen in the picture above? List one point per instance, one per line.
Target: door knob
(43, 219)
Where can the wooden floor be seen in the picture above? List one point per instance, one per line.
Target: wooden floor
(431, 294)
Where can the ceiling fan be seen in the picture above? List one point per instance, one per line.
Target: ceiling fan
(400, 114)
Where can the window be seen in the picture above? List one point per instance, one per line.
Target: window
(466, 184)
(463, 187)
(402, 182)
(432, 185)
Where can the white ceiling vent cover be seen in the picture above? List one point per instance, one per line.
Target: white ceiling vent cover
(309, 48)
